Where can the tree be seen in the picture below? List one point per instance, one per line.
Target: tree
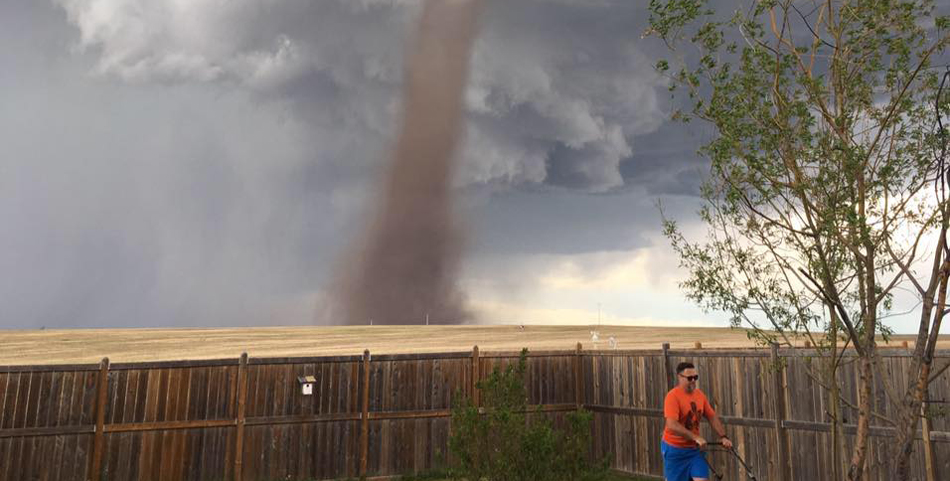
(501, 442)
(827, 190)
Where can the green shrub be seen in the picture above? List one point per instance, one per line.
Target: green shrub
(504, 443)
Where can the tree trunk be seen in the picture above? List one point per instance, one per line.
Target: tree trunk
(859, 455)
(907, 419)
(909, 410)
(837, 440)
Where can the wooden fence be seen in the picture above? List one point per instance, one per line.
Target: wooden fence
(246, 419)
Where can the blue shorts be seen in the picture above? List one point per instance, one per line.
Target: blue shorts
(683, 464)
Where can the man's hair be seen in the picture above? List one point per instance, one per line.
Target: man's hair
(684, 366)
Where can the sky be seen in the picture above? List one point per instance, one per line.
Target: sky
(207, 163)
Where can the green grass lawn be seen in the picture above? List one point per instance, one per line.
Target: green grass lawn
(441, 477)
(612, 477)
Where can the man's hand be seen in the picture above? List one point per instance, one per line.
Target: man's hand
(726, 443)
(700, 441)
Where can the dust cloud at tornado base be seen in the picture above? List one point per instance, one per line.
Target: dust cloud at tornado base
(404, 270)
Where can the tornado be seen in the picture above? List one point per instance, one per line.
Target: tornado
(406, 269)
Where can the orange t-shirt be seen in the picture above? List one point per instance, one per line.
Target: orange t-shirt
(688, 409)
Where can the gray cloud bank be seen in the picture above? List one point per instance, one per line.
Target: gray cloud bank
(204, 162)
(558, 88)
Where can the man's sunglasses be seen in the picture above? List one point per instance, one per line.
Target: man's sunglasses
(691, 378)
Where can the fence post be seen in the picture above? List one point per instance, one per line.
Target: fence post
(928, 447)
(239, 422)
(578, 380)
(475, 376)
(364, 417)
(102, 390)
(778, 403)
(666, 366)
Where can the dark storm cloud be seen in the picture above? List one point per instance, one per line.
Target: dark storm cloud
(536, 223)
(545, 73)
(667, 162)
(148, 204)
(203, 163)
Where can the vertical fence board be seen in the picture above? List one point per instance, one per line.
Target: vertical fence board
(364, 415)
(778, 399)
(475, 376)
(241, 399)
(102, 384)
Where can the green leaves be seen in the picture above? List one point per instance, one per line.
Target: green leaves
(824, 147)
(506, 442)
(667, 18)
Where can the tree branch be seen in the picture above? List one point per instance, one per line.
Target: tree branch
(933, 377)
(851, 405)
(817, 38)
(841, 312)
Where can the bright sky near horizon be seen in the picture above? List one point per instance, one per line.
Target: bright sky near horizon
(205, 163)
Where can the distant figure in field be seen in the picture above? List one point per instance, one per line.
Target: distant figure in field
(685, 405)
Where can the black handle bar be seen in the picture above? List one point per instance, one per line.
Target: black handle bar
(748, 469)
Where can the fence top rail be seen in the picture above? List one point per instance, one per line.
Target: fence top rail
(122, 366)
(797, 352)
(516, 354)
(422, 356)
(52, 368)
(621, 352)
(303, 360)
(752, 352)
(882, 351)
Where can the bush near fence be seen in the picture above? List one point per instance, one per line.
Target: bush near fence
(245, 419)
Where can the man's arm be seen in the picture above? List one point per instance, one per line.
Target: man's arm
(717, 426)
(680, 430)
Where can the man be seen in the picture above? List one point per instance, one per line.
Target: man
(685, 405)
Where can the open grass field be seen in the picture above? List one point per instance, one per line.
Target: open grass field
(21, 347)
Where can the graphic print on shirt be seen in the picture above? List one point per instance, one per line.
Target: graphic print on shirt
(691, 416)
